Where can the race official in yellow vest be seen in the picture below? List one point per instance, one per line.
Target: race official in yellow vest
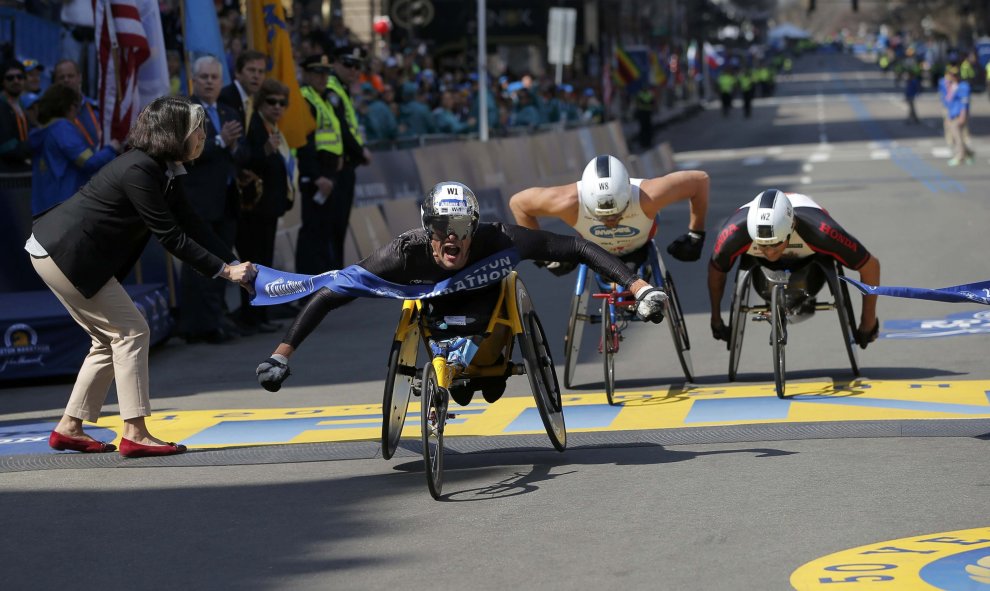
(347, 63)
(320, 161)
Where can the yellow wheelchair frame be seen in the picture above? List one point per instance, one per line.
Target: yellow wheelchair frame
(513, 316)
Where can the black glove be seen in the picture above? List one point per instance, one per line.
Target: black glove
(271, 373)
(687, 247)
(721, 332)
(865, 338)
(649, 304)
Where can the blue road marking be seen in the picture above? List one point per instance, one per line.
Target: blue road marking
(585, 416)
(965, 409)
(738, 409)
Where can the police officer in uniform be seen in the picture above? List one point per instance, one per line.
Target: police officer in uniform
(320, 161)
(346, 68)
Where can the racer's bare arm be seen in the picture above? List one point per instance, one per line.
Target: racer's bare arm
(869, 274)
(678, 186)
(716, 287)
(530, 204)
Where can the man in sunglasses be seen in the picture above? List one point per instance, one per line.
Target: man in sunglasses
(782, 231)
(347, 63)
(15, 152)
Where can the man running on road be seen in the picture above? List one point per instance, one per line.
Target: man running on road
(781, 231)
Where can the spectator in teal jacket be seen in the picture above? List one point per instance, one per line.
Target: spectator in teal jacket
(446, 120)
(414, 115)
(526, 114)
(62, 160)
(379, 121)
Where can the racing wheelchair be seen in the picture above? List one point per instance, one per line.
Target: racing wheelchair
(617, 309)
(472, 363)
(785, 295)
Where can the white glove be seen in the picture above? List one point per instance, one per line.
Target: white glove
(649, 304)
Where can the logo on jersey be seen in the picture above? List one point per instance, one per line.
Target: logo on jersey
(838, 236)
(603, 231)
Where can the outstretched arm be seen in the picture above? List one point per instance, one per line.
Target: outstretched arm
(678, 186)
(530, 204)
(869, 274)
(716, 287)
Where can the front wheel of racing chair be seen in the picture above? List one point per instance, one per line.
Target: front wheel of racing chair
(400, 380)
(434, 417)
(778, 335)
(738, 311)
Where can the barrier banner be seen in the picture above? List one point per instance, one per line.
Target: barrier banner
(274, 287)
(391, 175)
(971, 292)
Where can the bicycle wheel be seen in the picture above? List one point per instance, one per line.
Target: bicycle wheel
(778, 337)
(608, 351)
(847, 320)
(434, 416)
(575, 330)
(398, 390)
(540, 369)
(737, 321)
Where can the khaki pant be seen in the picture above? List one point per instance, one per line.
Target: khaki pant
(121, 339)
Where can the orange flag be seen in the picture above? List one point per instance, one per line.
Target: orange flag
(268, 34)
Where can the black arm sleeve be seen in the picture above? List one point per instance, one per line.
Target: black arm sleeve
(548, 246)
(312, 314)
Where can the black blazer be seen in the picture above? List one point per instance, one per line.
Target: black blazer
(206, 183)
(230, 96)
(271, 168)
(101, 231)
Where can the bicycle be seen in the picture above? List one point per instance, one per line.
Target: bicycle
(785, 294)
(474, 364)
(616, 311)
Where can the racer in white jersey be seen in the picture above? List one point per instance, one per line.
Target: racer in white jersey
(618, 213)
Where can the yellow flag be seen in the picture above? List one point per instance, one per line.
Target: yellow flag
(268, 34)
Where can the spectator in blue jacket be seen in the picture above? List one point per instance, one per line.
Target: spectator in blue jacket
(414, 115)
(446, 120)
(61, 158)
(379, 121)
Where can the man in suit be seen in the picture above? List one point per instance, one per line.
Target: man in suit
(239, 94)
(209, 183)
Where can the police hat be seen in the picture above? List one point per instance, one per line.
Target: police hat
(349, 53)
(317, 63)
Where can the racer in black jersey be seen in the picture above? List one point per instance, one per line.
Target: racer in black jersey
(784, 231)
(452, 238)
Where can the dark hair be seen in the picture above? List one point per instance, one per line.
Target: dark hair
(163, 126)
(13, 65)
(56, 102)
(268, 88)
(250, 55)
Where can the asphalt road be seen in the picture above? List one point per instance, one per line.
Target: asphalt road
(635, 515)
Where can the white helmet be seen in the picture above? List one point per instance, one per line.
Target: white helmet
(604, 189)
(771, 217)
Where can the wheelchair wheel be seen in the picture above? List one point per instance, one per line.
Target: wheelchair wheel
(737, 320)
(540, 369)
(674, 314)
(398, 390)
(572, 342)
(847, 319)
(778, 337)
(609, 339)
(434, 416)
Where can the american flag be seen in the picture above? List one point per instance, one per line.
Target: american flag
(122, 47)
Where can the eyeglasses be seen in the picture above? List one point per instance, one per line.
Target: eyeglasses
(14, 77)
(279, 102)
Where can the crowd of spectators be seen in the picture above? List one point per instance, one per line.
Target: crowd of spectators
(247, 177)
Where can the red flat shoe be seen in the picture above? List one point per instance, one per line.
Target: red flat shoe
(130, 449)
(61, 442)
